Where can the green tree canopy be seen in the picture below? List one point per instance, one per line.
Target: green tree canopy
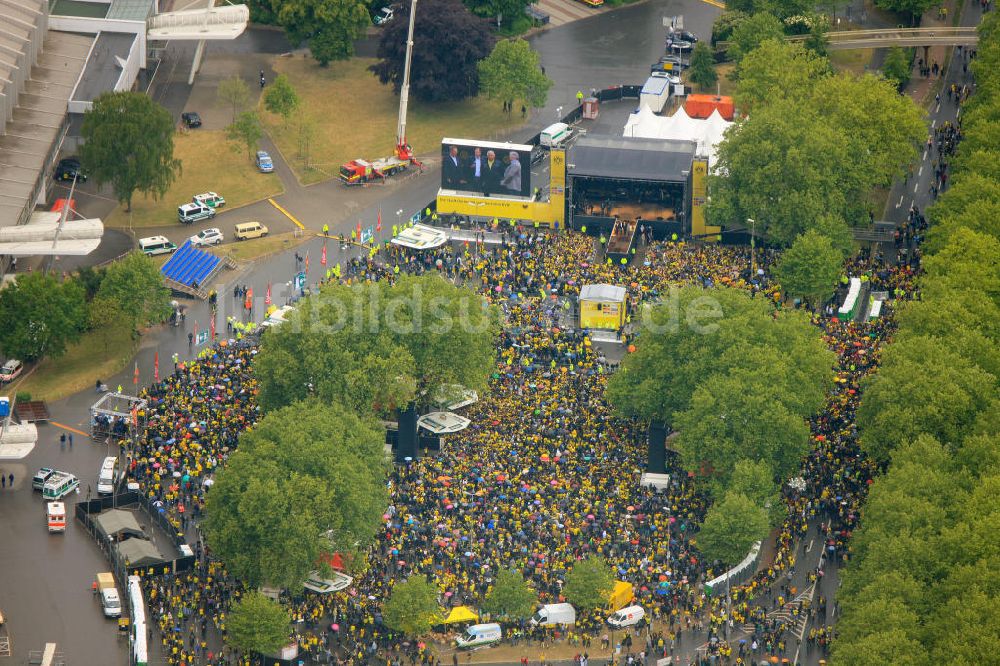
(752, 32)
(510, 596)
(730, 529)
(134, 285)
(702, 71)
(378, 347)
(412, 607)
(512, 72)
(41, 316)
(755, 479)
(235, 93)
(589, 583)
(128, 141)
(307, 481)
(896, 66)
(913, 9)
(777, 70)
(731, 420)
(330, 27)
(696, 333)
(809, 268)
(280, 98)
(246, 132)
(257, 625)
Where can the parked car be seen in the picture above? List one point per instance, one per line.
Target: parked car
(193, 212)
(384, 16)
(686, 36)
(670, 76)
(11, 370)
(69, 168)
(41, 476)
(205, 237)
(210, 199)
(264, 163)
(191, 119)
(668, 64)
(247, 230)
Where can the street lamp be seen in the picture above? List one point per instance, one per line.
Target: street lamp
(399, 219)
(753, 244)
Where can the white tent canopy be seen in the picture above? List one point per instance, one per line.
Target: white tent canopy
(708, 133)
(46, 234)
(421, 237)
(442, 423)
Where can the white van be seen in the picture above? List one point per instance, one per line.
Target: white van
(627, 617)
(551, 614)
(247, 230)
(555, 135)
(479, 634)
(107, 476)
(110, 602)
(154, 245)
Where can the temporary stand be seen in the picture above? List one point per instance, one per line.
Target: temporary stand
(117, 414)
(656, 466)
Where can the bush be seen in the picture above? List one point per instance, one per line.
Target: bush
(22, 396)
(725, 23)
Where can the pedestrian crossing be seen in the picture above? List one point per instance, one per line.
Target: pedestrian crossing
(785, 614)
(562, 12)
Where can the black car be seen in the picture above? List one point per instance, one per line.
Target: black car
(684, 35)
(191, 119)
(69, 168)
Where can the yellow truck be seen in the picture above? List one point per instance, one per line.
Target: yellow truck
(621, 595)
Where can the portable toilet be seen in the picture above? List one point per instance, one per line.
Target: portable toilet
(602, 306)
(590, 108)
(4, 406)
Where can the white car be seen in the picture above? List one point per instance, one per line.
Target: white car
(210, 236)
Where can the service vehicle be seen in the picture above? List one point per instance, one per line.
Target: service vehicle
(627, 617)
(58, 485)
(654, 93)
(555, 135)
(194, 212)
(210, 199)
(191, 119)
(11, 370)
(621, 595)
(111, 603)
(478, 635)
(41, 476)
(55, 516)
(247, 230)
(675, 45)
(551, 614)
(360, 171)
(153, 245)
(357, 172)
(384, 16)
(205, 237)
(107, 477)
(263, 161)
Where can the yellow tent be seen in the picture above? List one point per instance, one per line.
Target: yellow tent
(460, 614)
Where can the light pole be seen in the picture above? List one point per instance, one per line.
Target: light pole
(753, 244)
(399, 219)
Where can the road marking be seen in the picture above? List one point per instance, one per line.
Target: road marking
(938, 109)
(70, 428)
(897, 206)
(286, 214)
(912, 202)
(920, 171)
(933, 123)
(915, 186)
(924, 159)
(715, 3)
(811, 541)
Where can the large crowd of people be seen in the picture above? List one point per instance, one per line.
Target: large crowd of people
(545, 475)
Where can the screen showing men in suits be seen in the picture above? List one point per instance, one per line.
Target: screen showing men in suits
(486, 168)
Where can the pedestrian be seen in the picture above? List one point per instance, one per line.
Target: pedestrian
(10, 479)
(190, 339)
(524, 112)
(3, 481)
(62, 441)
(262, 82)
(71, 441)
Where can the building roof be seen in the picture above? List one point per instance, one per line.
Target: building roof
(105, 65)
(606, 293)
(131, 10)
(630, 158)
(38, 122)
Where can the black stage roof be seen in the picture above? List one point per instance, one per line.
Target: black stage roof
(630, 158)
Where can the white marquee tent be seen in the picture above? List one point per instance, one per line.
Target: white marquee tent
(708, 133)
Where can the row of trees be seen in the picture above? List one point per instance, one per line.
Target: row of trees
(813, 148)
(309, 480)
(922, 585)
(413, 606)
(737, 379)
(43, 314)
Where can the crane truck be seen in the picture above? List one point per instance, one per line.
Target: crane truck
(357, 172)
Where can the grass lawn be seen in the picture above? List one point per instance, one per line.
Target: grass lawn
(355, 117)
(209, 164)
(853, 60)
(256, 248)
(100, 353)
